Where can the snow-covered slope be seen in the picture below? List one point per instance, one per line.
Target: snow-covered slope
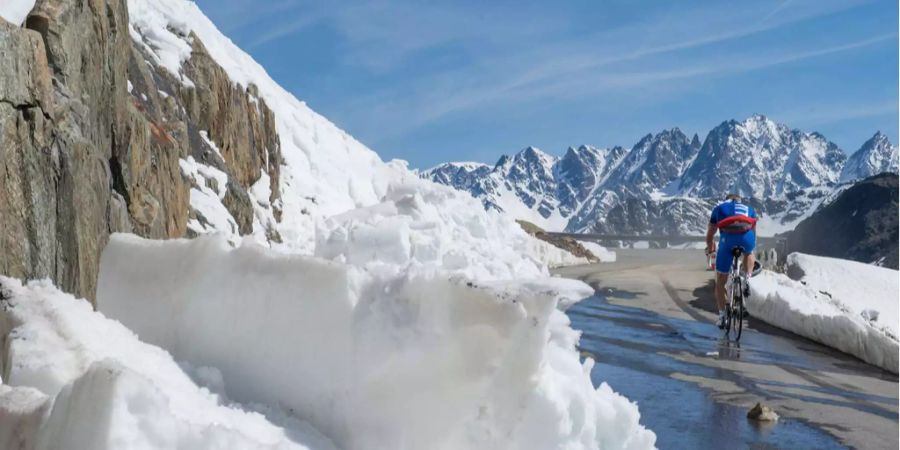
(460, 175)
(325, 171)
(653, 163)
(876, 155)
(844, 304)
(581, 171)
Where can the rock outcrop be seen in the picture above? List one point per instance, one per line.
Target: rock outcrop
(860, 224)
(566, 243)
(92, 135)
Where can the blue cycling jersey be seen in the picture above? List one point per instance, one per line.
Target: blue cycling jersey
(732, 212)
(731, 209)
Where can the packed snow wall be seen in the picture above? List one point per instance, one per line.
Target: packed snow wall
(843, 304)
(373, 358)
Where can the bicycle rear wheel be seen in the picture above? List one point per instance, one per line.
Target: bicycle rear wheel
(737, 310)
(727, 327)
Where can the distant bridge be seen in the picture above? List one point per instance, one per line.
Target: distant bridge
(778, 243)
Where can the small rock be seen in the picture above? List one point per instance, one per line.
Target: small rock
(870, 315)
(762, 413)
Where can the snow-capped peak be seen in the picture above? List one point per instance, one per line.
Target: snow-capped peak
(876, 155)
(761, 158)
(533, 158)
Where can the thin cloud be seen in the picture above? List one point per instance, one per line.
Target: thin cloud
(505, 59)
(285, 29)
(423, 105)
(819, 115)
(231, 16)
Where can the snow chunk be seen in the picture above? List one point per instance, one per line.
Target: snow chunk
(375, 356)
(108, 389)
(22, 409)
(833, 302)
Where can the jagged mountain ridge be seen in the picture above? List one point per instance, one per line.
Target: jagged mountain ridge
(674, 179)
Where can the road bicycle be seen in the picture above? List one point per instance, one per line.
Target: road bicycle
(735, 291)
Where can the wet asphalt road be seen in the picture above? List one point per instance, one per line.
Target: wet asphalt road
(650, 329)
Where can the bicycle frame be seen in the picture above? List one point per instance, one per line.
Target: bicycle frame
(734, 276)
(734, 299)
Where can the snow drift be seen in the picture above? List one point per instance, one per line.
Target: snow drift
(844, 304)
(375, 357)
(423, 224)
(78, 381)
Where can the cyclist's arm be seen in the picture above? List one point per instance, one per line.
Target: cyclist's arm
(711, 230)
(711, 238)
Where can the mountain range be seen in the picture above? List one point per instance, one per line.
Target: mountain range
(667, 182)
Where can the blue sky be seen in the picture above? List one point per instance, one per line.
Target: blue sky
(433, 81)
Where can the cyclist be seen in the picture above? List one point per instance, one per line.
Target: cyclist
(736, 223)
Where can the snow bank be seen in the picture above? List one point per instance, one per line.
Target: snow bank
(373, 355)
(77, 380)
(843, 304)
(419, 223)
(861, 288)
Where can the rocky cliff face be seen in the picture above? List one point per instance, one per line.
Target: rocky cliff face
(94, 134)
(860, 224)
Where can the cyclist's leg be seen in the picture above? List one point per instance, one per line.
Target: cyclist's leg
(749, 243)
(721, 280)
(723, 267)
